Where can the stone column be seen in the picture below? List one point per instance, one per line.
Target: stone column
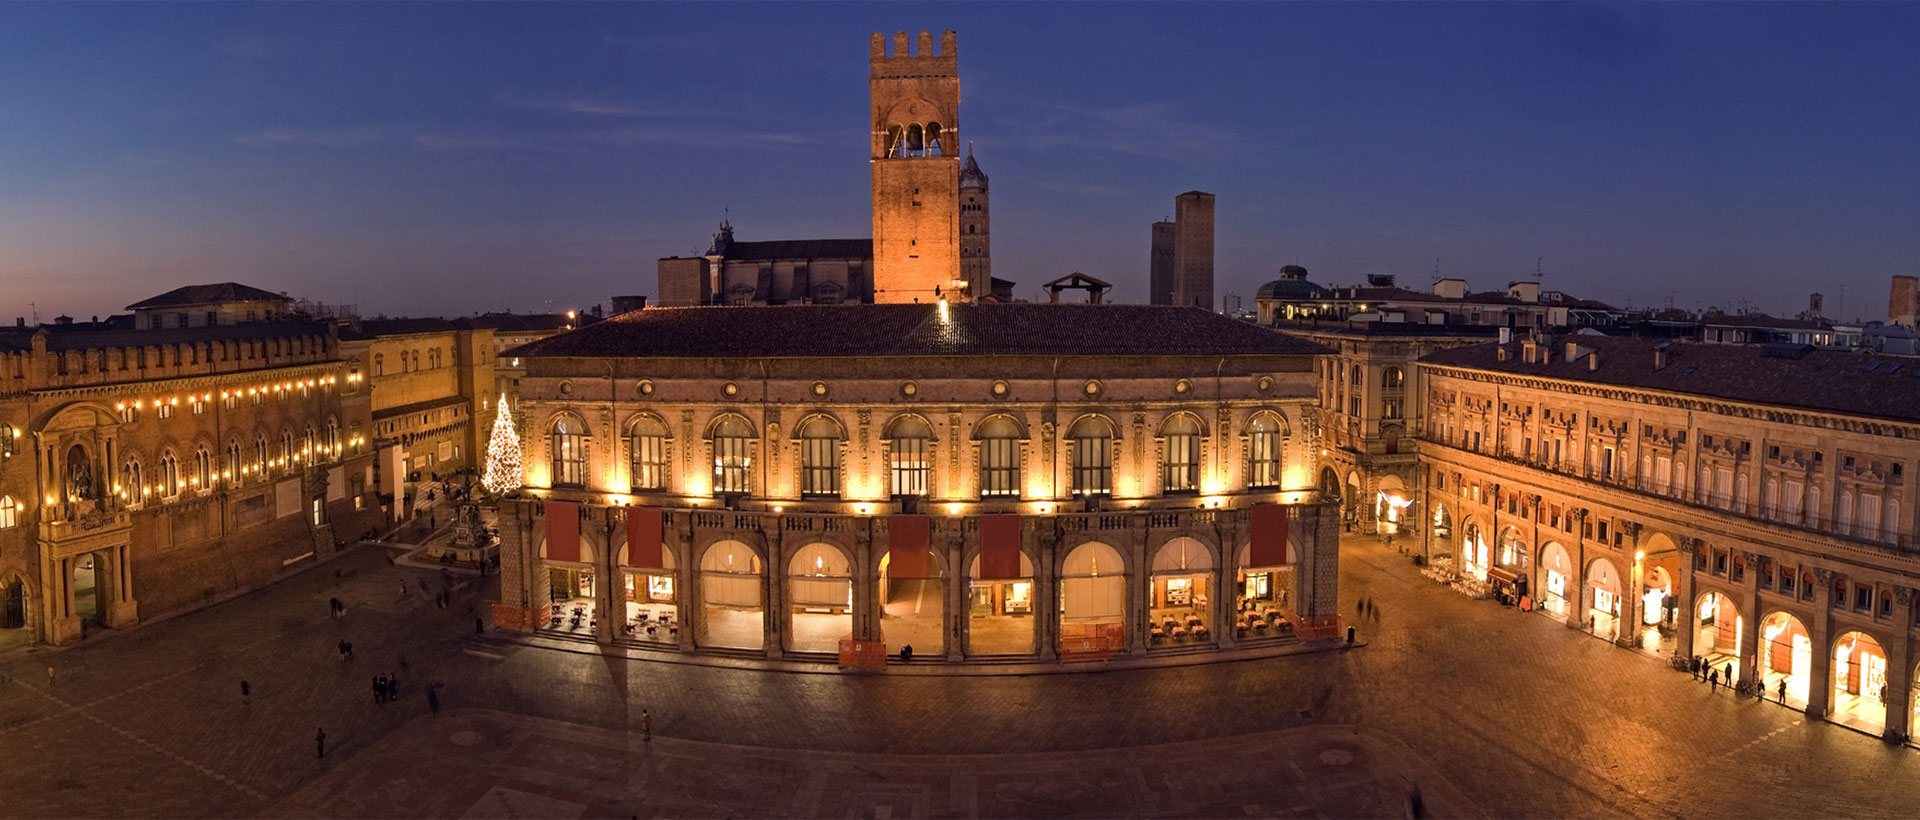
(686, 580)
(1685, 589)
(953, 538)
(1820, 632)
(1138, 591)
(773, 588)
(866, 586)
(1750, 623)
(1627, 630)
(1900, 666)
(1046, 589)
(1577, 603)
(609, 596)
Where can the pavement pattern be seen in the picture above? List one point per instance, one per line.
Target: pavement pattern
(1488, 710)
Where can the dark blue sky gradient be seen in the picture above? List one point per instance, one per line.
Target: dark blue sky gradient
(450, 158)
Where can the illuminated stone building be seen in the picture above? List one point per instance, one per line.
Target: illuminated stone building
(432, 388)
(976, 481)
(1745, 503)
(153, 468)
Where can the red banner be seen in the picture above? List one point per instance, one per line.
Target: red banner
(644, 537)
(1269, 547)
(999, 547)
(563, 531)
(909, 537)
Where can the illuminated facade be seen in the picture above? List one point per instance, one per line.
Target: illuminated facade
(432, 386)
(1745, 504)
(146, 471)
(1063, 480)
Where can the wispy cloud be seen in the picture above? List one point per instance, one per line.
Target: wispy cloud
(657, 43)
(586, 105)
(598, 138)
(329, 138)
(1141, 129)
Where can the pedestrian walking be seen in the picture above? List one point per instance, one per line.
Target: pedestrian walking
(479, 627)
(403, 589)
(1729, 676)
(1416, 805)
(320, 742)
(646, 726)
(433, 699)
(379, 690)
(333, 607)
(1713, 680)
(51, 682)
(1373, 611)
(393, 686)
(349, 650)
(1693, 667)
(246, 694)
(1360, 608)
(1783, 691)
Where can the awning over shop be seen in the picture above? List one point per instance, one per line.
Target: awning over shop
(1501, 575)
(1269, 547)
(563, 531)
(999, 547)
(644, 538)
(908, 539)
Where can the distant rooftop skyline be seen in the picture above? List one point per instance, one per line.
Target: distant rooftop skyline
(439, 159)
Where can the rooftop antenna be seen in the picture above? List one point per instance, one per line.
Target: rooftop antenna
(1538, 263)
(34, 308)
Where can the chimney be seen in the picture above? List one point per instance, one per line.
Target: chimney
(1506, 335)
(1593, 361)
(1660, 357)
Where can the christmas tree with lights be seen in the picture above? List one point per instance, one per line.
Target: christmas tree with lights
(503, 453)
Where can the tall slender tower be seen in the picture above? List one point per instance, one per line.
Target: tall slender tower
(1160, 265)
(916, 169)
(1193, 249)
(976, 245)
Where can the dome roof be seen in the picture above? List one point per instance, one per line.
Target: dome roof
(1294, 271)
(1288, 289)
(970, 173)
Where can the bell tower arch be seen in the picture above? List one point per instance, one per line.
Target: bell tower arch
(916, 169)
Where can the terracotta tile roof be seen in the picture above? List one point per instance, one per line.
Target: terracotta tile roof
(207, 295)
(1792, 376)
(917, 330)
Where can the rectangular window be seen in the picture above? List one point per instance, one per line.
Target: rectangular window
(1092, 466)
(164, 411)
(999, 468)
(1181, 473)
(649, 462)
(1265, 466)
(730, 462)
(319, 510)
(1862, 597)
(820, 471)
(569, 458)
(910, 466)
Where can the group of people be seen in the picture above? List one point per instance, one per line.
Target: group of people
(385, 688)
(1704, 670)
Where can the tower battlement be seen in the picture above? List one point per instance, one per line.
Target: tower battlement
(922, 61)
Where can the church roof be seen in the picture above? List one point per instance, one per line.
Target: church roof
(802, 249)
(919, 330)
(970, 174)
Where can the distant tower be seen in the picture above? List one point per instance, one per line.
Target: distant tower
(1903, 304)
(1160, 274)
(1193, 249)
(916, 168)
(1230, 304)
(976, 246)
(1815, 303)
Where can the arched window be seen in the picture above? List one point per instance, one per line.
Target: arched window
(169, 475)
(9, 512)
(234, 470)
(6, 439)
(133, 481)
(732, 455)
(819, 457)
(309, 441)
(999, 458)
(286, 447)
(260, 452)
(1393, 378)
(353, 435)
(333, 436)
(202, 469)
(1092, 439)
(1180, 468)
(1354, 376)
(379, 364)
(910, 437)
(648, 445)
(1263, 450)
(569, 453)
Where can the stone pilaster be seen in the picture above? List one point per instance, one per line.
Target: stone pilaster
(1685, 589)
(1820, 632)
(1900, 666)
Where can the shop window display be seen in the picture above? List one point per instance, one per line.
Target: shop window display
(1179, 609)
(1000, 612)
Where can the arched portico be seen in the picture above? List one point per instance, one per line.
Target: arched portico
(573, 587)
(16, 611)
(1000, 611)
(819, 603)
(1602, 597)
(1860, 682)
(1719, 628)
(732, 603)
(1786, 657)
(1556, 581)
(1093, 594)
(651, 595)
(913, 610)
(1181, 593)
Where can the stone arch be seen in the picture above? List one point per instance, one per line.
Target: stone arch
(1785, 657)
(75, 416)
(1182, 422)
(999, 423)
(1091, 423)
(577, 423)
(1859, 680)
(1602, 601)
(906, 421)
(1268, 415)
(648, 417)
(816, 418)
(729, 422)
(17, 598)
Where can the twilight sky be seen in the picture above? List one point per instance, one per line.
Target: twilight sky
(451, 158)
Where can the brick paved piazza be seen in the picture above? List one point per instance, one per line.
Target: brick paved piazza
(1491, 711)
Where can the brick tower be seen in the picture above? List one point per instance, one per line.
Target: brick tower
(916, 169)
(976, 244)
